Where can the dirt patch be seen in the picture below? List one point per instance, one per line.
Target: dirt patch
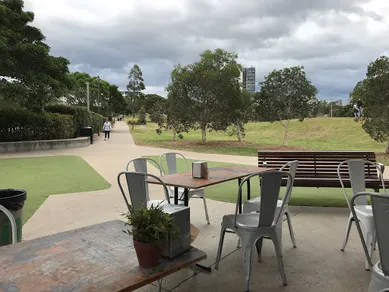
(198, 145)
(218, 143)
(282, 147)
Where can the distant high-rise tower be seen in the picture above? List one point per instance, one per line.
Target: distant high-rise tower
(248, 79)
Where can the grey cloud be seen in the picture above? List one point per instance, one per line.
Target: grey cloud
(266, 34)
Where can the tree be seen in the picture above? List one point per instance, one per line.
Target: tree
(36, 76)
(135, 87)
(116, 102)
(142, 116)
(77, 93)
(285, 95)
(374, 93)
(151, 100)
(205, 94)
(243, 113)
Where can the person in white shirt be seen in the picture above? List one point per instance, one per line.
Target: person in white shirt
(107, 129)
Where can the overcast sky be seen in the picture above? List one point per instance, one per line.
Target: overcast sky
(334, 40)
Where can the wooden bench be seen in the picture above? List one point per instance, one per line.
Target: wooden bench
(319, 168)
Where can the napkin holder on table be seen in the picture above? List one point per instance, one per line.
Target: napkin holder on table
(200, 169)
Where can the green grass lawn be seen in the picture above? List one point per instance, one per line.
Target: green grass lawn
(315, 134)
(44, 176)
(228, 191)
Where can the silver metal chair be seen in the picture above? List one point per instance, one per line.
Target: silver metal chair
(170, 161)
(250, 227)
(140, 165)
(139, 191)
(254, 205)
(12, 221)
(380, 206)
(356, 171)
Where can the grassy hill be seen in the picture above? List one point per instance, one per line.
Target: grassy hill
(316, 134)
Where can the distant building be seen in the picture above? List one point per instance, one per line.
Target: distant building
(124, 92)
(248, 79)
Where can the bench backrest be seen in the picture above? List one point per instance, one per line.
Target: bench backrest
(317, 164)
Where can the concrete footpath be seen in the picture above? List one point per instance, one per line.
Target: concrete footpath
(317, 264)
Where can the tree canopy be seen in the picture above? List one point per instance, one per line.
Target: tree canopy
(285, 94)
(109, 102)
(205, 95)
(36, 77)
(374, 93)
(135, 87)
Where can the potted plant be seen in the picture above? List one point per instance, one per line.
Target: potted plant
(151, 229)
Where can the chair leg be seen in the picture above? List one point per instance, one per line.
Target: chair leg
(205, 209)
(375, 241)
(220, 248)
(258, 245)
(369, 239)
(159, 285)
(349, 222)
(277, 247)
(290, 228)
(247, 252)
(238, 244)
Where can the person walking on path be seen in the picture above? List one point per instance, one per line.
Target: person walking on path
(107, 129)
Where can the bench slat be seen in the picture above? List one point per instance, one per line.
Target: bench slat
(319, 168)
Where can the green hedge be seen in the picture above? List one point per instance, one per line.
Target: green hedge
(82, 118)
(22, 125)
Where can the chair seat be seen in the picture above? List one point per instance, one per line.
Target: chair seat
(364, 210)
(257, 200)
(247, 221)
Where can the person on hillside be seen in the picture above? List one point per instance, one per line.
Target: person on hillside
(107, 129)
(356, 112)
(360, 108)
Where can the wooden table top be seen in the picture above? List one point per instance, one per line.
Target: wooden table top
(217, 175)
(94, 258)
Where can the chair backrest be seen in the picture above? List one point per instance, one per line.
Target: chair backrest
(380, 206)
(291, 167)
(269, 190)
(138, 188)
(140, 165)
(12, 221)
(171, 162)
(357, 174)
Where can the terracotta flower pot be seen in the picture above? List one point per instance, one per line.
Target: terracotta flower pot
(148, 254)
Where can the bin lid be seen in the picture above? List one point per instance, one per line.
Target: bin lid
(12, 195)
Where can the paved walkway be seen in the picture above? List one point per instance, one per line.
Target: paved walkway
(316, 265)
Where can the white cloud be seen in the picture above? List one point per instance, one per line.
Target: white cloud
(334, 40)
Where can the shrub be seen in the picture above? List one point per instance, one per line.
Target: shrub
(142, 116)
(96, 122)
(23, 125)
(81, 116)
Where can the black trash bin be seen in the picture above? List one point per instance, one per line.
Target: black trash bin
(87, 132)
(13, 200)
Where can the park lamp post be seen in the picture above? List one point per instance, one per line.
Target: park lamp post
(87, 95)
(98, 94)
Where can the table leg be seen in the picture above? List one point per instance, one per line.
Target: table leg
(176, 195)
(248, 190)
(186, 197)
(240, 198)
